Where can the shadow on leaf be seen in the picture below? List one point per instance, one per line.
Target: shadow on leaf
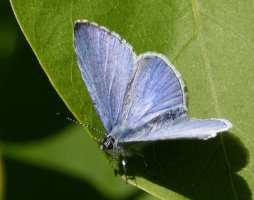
(194, 168)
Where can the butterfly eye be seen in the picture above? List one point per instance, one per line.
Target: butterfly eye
(107, 143)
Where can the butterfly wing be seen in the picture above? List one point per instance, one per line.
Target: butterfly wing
(181, 128)
(106, 64)
(155, 106)
(155, 88)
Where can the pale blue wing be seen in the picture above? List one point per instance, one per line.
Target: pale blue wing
(155, 89)
(181, 128)
(106, 64)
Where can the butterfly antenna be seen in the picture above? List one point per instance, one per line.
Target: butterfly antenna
(84, 125)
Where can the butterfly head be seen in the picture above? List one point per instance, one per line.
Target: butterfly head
(107, 143)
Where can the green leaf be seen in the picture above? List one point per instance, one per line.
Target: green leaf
(210, 43)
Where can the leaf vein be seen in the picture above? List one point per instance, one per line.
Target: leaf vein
(187, 43)
(200, 38)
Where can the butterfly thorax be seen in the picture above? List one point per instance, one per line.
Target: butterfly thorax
(115, 137)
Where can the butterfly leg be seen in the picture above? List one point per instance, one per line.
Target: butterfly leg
(124, 162)
(114, 160)
(124, 166)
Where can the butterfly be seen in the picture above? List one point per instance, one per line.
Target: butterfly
(139, 99)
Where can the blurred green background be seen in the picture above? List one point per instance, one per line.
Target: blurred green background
(43, 156)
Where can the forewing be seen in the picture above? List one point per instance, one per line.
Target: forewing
(156, 88)
(106, 64)
(182, 128)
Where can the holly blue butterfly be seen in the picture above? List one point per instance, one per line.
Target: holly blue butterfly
(138, 98)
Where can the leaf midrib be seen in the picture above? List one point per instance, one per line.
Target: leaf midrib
(200, 39)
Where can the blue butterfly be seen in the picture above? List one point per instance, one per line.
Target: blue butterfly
(138, 98)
